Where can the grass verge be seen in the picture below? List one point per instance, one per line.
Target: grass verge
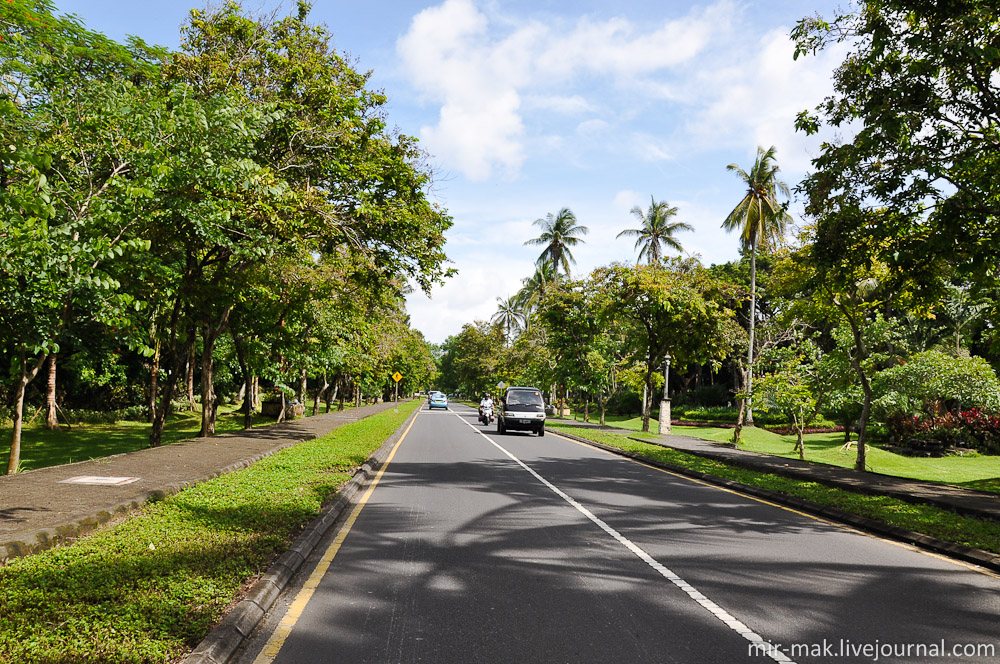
(926, 519)
(41, 448)
(979, 472)
(150, 588)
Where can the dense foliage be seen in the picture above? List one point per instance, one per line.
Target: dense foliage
(234, 212)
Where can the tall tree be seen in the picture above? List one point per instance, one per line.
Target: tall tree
(559, 233)
(509, 316)
(656, 230)
(677, 310)
(534, 289)
(761, 221)
(68, 109)
(919, 93)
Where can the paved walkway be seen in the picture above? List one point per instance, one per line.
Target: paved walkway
(964, 501)
(39, 508)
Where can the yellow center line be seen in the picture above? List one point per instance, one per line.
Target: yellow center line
(298, 606)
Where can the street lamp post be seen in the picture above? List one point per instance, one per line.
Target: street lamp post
(665, 401)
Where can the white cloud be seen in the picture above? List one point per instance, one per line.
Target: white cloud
(480, 69)
(755, 101)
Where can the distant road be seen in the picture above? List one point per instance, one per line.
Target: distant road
(515, 548)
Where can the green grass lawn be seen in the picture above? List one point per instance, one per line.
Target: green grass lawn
(41, 448)
(926, 519)
(149, 588)
(975, 472)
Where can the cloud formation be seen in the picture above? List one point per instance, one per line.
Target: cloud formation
(486, 71)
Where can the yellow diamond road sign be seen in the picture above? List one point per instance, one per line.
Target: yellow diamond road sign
(397, 376)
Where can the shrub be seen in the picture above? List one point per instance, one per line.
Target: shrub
(967, 428)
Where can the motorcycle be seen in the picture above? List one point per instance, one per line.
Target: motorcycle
(486, 415)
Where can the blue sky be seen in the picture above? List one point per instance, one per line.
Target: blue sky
(528, 107)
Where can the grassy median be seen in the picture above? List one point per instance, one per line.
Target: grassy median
(149, 589)
(925, 519)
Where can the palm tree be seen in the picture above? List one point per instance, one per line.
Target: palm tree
(509, 315)
(656, 230)
(533, 290)
(559, 233)
(761, 221)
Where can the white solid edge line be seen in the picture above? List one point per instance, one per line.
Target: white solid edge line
(728, 620)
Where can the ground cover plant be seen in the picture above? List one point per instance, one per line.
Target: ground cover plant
(148, 589)
(41, 448)
(979, 472)
(926, 519)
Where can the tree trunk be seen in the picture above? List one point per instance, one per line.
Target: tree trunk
(859, 355)
(647, 389)
(248, 382)
(320, 393)
(14, 460)
(189, 376)
(209, 400)
(738, 431)
(51, 414)
(753, 322)
(154, 380)
(604, 404)
(331, 395)
(303, 386)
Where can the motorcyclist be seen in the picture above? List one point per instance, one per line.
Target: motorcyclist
(485, 407)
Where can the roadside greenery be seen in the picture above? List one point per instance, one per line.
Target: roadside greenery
(876, 311)
(925, 519)
(231, 217)
(149, 588)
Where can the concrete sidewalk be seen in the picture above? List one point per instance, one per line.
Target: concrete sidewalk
(958, 499)
(44, 507)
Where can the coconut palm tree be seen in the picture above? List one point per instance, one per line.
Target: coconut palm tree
(559, 233)
(656, 230)
(761, 222)
(509, 315)
(533, 290)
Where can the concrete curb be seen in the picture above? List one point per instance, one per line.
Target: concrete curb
(798, 474)
(39, 540)
(226, 638)
(968, 554)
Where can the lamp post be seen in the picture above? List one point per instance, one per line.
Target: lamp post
(665, 401)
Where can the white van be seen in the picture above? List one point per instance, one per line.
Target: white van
(522, 409)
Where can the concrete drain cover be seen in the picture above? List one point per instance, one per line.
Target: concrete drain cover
(96, 479)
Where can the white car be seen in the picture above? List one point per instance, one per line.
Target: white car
(522, 409)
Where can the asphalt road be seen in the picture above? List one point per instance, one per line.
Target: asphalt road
(515, 548)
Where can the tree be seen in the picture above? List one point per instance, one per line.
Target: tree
(931, 378)
(68, 109)
(789, 389)
(677, 310)
(919, 93)
(559, 233)
(534, 289)
(509, 316)
(656, 229)
(760, 221)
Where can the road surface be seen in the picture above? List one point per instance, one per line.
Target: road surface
(476, 547)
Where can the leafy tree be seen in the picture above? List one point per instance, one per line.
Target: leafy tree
(760, 220)
(677, 310)
(931, 379)
(66, 132)
(918, 90)
(789, 389)
(559, 233)
(656, 230)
